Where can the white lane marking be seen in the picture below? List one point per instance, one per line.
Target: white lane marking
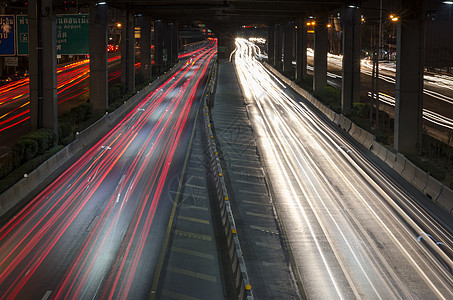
(46, 295)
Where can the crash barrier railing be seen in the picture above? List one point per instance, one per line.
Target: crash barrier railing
(221, 201)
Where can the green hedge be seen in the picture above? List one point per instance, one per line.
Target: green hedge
(18, 172)
(330, 96)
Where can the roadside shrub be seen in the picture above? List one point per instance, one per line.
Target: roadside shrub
(65, 132)
(329, 96)
(139, 79)
(24, 149)
(44, 137)
(114, 94)
(121, 87)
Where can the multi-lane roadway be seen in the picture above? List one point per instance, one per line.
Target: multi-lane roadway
(97, 230)
(353, 231)
(437, 97)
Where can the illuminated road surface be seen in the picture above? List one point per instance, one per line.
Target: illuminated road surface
(348, 236)
(72, 82)
(438, 89)
(97, 230)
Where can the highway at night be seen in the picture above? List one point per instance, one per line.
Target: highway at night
(353, 231)
(72, 83)
(438, 91)
(97, 230)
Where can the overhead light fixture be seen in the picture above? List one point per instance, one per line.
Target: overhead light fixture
(448, 2)
(101, 3)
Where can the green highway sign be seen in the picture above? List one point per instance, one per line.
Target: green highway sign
(22, 34)
(72, 34)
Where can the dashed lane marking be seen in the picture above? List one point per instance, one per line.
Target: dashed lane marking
(192, 274)
(259, 215)
(255, 202)
(193, 235)
(195, 207)
(194, 186)
(252, 192)
(193, 253)
(274, 265)
(203, 197)
(269, 246)
(196, 220)
(264, 229)
(46, 295)
(249, 182)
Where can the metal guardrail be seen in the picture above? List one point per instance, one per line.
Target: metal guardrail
(230, 233)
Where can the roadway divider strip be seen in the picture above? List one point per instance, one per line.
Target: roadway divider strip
(238, 268)
(433, 189)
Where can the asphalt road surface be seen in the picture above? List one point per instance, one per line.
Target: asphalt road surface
(352, 230)
(97, 230)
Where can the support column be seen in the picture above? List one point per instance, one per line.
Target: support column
(409, 78)
(320, 55)
(278, 45)
(351, 58)
(270, 44)
(98, 57)
(128, 50)
(158, 45)
(301, 50)
(288, 47)
(145, 55)
(166, 43)
(226, 45)
(42, 49)
(174, 43)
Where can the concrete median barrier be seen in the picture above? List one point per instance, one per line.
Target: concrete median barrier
(368, 139)
(376, 148)
(382, 154)
(400, 163)
(347, 124)
(433, 188)
(390, 159)
(420, 180)
(445, 199)
(409, 171)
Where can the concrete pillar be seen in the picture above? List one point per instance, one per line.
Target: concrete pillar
(174, 43)
(278, 39)
(351, 58)
(226, 45)
(320, 55)
(169, 40)
(301, 49)
(158, 44)
(409, 77)
(270, 44)
(42, 49)
(2, 59)
(128, 50)
(98, 57)
(145, 55)
(288, 47)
